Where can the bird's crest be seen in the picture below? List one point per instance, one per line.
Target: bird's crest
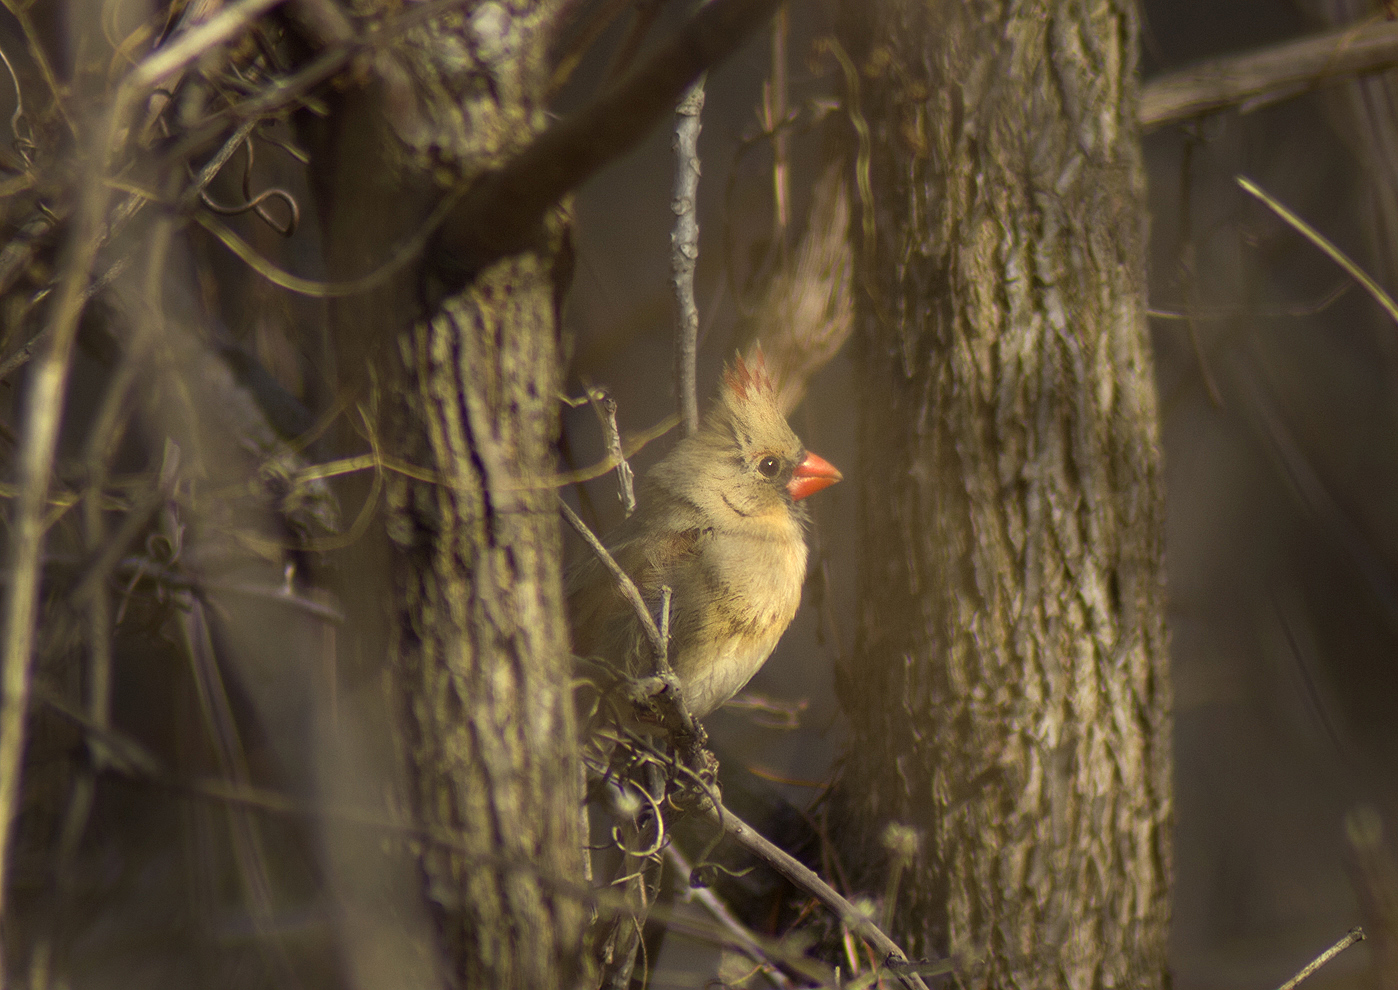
(745, 377)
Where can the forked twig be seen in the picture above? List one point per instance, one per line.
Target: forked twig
(605, 408)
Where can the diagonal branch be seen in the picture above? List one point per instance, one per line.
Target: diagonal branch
(1268, 74)
(501, 211)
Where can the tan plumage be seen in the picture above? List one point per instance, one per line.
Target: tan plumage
(719, 522)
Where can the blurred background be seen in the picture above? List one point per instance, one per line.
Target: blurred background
(1278, 386)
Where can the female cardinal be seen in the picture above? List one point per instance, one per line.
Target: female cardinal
(719, 522)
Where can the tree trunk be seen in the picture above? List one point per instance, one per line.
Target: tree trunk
(1009, 692)
(468, 395)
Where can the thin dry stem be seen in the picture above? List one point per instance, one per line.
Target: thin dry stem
(605, 408)
(624, 584)
(189, 46)
(47, 390)
(1352, 936)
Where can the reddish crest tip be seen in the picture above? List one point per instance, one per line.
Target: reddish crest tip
(741, 376)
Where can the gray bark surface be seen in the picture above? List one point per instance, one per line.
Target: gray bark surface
(1009, 691)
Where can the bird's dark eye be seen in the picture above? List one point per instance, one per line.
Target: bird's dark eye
(769, 466)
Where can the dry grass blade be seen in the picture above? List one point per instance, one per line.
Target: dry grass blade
(1320, 241)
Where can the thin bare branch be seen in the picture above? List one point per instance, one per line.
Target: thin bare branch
(43, 412)
(1268, 74)
(48, 389)
(20, 12)
(685, 729)
(405, 253)
(624, 584)
(363, 462)
(684, 251)
(754, 842)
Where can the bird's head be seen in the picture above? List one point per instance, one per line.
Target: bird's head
(745, 459)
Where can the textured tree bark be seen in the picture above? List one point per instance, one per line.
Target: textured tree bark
(1009, 693)
(480, 645)
(468, 393)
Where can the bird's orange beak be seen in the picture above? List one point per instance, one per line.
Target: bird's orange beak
(810, 476)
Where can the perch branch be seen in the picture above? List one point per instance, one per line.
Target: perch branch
(691, 735)
(1268, 74)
